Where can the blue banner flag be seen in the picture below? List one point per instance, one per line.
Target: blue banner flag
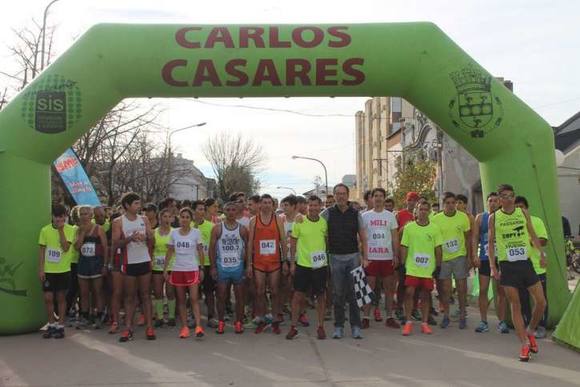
(75, 179)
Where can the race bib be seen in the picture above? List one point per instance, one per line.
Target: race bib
(88, 249)
(268, 247)
(231, 261)
(516, 254)
(53, 255)
(318, 259)
(451, 246)
(160, 260)
(422, 260)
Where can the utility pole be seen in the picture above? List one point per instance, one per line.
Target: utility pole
(43, 31)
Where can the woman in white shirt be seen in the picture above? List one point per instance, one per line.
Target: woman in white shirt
(185, 242)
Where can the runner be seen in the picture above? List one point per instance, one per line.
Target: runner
(162, 235)
(512, 230)
(422, 256)
(405, 216)
(390, 205)
(310, 269)
(481, 261)
(368, 199)
(289, 207)
(91, 242)
(301, 205)
(253, 205)
(456, 232)
(186, 244)
(171, 204)
(208, 284)
(73, 289)
(242, 215)
(56, 242)
(329, 202)
(226, 253)
(212, 211)
(150, 211)
(114, 263)
(540, 229)
(461, 205)
(383, 252)
(131, 233)
(100, 218)
(266, 251)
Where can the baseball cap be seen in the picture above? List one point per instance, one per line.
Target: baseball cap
(413, 196)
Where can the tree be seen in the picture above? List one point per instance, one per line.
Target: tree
(414, 172)
(235, 162)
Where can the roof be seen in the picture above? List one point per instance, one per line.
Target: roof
(567, 135)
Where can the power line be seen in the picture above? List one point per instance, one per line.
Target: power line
(238, 106)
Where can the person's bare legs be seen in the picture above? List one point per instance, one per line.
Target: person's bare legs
(513, 297)
(537, 293)
(367, 308)
(194, 300)
(409, 301)
(321, 308)
(84, 292)
(181, 307)
(483, 299)
(221, 300)
(462, 296)
(274, 283)
(144, 283)
(297, 302)
(260, 294)
(130, 284)
(49, 303)
(446, 296)
(239, 295)
(501, 301)
(116, 295)
(390, 286)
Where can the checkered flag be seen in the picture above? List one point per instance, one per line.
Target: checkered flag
(362, 291)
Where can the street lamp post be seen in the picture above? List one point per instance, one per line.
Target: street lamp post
(44, 33)
(288, 188)
(323, 166)
(171, 133)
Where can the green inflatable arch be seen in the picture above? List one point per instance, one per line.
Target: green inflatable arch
(416, 61)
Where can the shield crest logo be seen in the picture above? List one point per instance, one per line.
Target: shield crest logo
(474, 109)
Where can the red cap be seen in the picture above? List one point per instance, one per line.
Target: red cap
(413, 196)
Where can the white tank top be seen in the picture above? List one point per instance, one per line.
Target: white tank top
(230, 248)
(136, 252)
(186, 256)
(379, 226)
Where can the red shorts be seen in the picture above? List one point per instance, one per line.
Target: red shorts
(417, 282)
(380, 269)
(184, 278)
(267, 266)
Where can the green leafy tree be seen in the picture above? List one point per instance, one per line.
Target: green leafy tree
(414, 172)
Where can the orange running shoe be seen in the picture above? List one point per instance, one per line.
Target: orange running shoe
(150, 333)
(199, 331)
(184, 332)
(525, 353)
(426, 329)
(238, 327)
(221, 327)
(533, 343)
(114, 328)
(407, 328)
(126, 336)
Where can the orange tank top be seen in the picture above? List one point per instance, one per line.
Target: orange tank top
(266, 240)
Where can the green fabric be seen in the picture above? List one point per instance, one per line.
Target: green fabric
(416, 61)
(158, 307)
(420, 242)
(205, 230)
(171, 308)
(56, 260)
(311, 241)
(568, 329)
(160, 251)
(453, 230)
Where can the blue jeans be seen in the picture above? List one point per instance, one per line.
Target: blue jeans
(343, 288)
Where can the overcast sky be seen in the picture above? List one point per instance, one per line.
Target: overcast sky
(534, 43)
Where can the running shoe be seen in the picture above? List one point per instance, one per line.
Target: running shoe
(199, 332)
(238, 327)
(462, 323)
(415, 315)
(426, 329)
(292, 333)
(356, 333)
(184, 332)
(126, 336)
(141, 320)
(260, 328)
(392, 323)
(338, 333)
(303, 319)
(445, 322)
(378, 316)
(150, 333)
(407, 328)
(525, 353)
(49, 332)
(366, 322)
(58, 332)
(114, 328)
(540, 333)
(320, 333)
(533, 344)
(276, 327)
(221, 327)
(482, 327)
(502, 327)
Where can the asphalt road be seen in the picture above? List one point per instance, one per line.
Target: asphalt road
(383, 358)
